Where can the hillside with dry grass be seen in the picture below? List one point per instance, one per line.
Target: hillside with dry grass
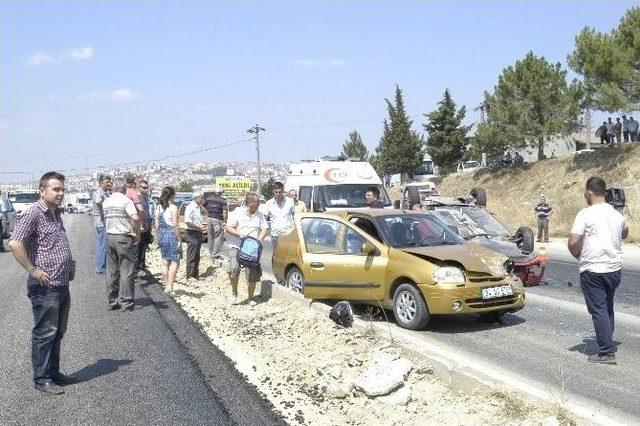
(513, 193)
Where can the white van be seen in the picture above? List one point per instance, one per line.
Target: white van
(331, 184)
(427, 170)
(23, 199)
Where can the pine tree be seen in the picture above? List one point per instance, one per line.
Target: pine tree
(609, 64)
(354, 147)
(531, 103)
(446, 140)
(400, 149)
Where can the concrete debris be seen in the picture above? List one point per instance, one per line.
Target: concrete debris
(400, 397)
(382, 377)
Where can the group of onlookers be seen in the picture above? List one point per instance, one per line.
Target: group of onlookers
(618, 132)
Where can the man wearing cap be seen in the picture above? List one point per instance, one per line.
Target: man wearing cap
(216, 208)
(193, 220)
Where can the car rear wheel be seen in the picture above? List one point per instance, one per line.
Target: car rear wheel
(480, 195)
(525, 239)
(295, 279)
(409, 308)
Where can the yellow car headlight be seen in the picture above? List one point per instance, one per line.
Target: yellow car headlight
(449, 274)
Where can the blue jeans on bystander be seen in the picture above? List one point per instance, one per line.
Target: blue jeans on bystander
(599, 290)
(101, 250)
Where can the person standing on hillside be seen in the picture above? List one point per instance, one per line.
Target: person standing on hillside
(543, 211)
(633, 130)
(610, 131)
(625, 128)
(101, 194)
(216, 208)
(602, 132)
(596, 241)
(617, 128)
(39, 243)
(122, 223)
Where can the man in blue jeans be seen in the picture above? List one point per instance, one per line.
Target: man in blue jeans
(101, 194)
(596, 241)
(39, 243)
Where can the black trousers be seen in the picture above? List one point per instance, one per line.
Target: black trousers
(50, 308)
(598, 290)
(141, 259)
(194, 242)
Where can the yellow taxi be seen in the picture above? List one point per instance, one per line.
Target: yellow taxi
(409, 262)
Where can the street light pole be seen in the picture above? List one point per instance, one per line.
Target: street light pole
(256, 131)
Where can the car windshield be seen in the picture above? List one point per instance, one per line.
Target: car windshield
(417, 230)
(486, 221)
(26, 197)
(466, 227)
(350, 195)
(470, 164)
(425, 169)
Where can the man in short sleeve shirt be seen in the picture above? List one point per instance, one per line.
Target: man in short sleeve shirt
(596, 241)
(123, 234)
(245, 221)
(39, 243)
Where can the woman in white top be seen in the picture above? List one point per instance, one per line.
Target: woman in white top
(168, 236)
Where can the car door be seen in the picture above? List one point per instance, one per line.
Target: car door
(335, 266)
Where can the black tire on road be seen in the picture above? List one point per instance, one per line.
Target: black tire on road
(480, 195)
(295, 279)
(409, 308)
(525, 239)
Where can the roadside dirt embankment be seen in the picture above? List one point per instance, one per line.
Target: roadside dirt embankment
(513, 193)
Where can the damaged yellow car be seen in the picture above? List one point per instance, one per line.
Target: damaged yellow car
(411, 263)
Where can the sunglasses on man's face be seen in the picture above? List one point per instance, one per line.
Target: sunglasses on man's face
(144, 187)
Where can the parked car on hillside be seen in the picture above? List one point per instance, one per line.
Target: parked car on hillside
(468, 166)
(409, 262)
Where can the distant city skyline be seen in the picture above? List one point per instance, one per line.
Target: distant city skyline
(87, 84)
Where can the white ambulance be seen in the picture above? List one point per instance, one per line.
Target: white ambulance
(327, 184)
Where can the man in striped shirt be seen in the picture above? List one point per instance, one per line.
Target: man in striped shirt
(543, 211)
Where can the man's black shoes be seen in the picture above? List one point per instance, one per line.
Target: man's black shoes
(113, 307)
(131, 308)
(49, 387)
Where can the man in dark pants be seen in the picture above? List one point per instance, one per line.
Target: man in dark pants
(596, 241)
(145, 231)
(216, 207)
(123, 234)
(193, 220)
(39, 243)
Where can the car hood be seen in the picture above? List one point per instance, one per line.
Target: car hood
(473, 257)
(508, 248)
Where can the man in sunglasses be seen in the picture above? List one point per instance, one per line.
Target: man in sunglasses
(145, 234)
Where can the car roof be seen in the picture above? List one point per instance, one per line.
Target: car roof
(374, 212)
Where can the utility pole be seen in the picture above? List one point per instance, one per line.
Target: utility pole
(588, 128)
(256, 131)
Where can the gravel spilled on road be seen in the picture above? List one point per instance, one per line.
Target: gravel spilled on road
(306, 365)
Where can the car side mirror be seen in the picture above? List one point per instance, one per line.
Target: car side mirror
(396, 204)
(368, 248)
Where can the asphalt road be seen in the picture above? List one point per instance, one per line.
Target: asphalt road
(548, 341)
(134, 368)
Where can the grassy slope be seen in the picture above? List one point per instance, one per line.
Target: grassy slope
(513, 193)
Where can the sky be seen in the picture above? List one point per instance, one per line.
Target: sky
(87, 83)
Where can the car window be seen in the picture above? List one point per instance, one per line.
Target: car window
(352, 241)
(367, 226)
(417, 230)
(305, 195)
(322, 235)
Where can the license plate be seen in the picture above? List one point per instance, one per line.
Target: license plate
(493, 292)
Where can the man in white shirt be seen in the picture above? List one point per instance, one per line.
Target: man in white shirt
(245, 221)
(279, 210)
(193, 220)
(122, 224)
(596, 241)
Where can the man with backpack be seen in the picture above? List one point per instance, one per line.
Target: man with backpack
(245, 225)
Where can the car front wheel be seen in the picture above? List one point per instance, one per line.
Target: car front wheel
(295, 279)
(409, 308)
